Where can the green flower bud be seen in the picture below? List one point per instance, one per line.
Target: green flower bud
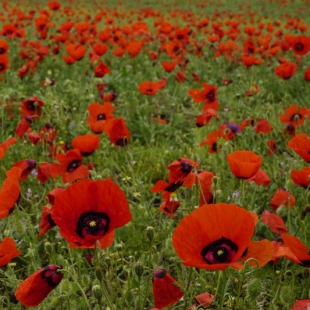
(97, 291)
(254, 288)
(150, 232)
(138, 268)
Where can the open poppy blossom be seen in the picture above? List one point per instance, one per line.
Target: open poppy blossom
(3, 47)
(10, 191)
(88, 211)
(4, 63)
(301, 304)
(26, 165)
(32, 291)
(183, 170)
(101, 70)
(70, 167)
(301, 177)
(99, 115)
(32, 107)
(166, 188)
(118, 132)
(294, 115)
(216, 236)
(282, 197)
(244, 164)
(165, 289)
(274, 222)
(212, 140)
(151, 88)
(298, 249)
(204, 118)
(87, 144)
(207, 95)
(8, 251)
(301, 145)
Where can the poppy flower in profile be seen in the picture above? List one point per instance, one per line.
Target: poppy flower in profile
(272, 148)
(70, 167)
(216, 236)
(88, 211)
(46, 222)
(4, 46)
(204, 299)
(54, 5)
(118, 132)
(263, 126)
(301, 177)
(26, 165)
(307, 74)
(244, 164)
(204, 118)
(166, 188)
(298, 249)
(212, 140)
(204, 182)
(300, 144)
(282, 197)
(170, 205)
(44, 172)
(4, 146)
(10, 191)
(76, 51)
(134, 48)
(101, 70)
(183, 170)
(32, 107)
(8, 251)
(165, 289)
(274, 222)
(99, 115)
(294, 115)
(260, 178)
(301, 304)
(32, 291)
(286, 70)
(87, 144)
(168, 66)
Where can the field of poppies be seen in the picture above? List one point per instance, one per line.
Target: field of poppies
(155, 155)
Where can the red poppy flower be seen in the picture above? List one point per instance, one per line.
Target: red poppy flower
(4, 46)
(46, 222)
(301, 145)
(282, 197)
(301, 177)
(89, 210)
(170, 205)
(300, 45)
(10, 192)
(244, 164)
(76, 51)
(53, 193)
(4, 63)
(118, 132)
(54, 5)
(151, 88)
(4, 146)
(48, 133)
(23, 126)
(180, 77)
(99, 115)
(162, 186)
(260, 178)
(298, 248)
(212, 140)
(8, 251)
(253, 90)
(26, 165)
(251, 60)
(204, 118)
(134, 48)
(286, 70)
(101, 70)
(216, 236)
(32, 291)
(181, 170)
(207, 95)
(301, 304)
(204, 299)
(263, 126)
(32, 107)
(168, 66)
(271, 147)
(44, 172)
(165, 289)
(70, 167)
(307, 74)
(294, 115)
(275, 222)
(87, 144)
(281, 250)
(100, 49)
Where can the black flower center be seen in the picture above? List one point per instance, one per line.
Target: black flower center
(211, 95)
(101, 117)
(219, 251)
(2, 67)
(299, 47)
(122, 141)
(214, 146)
(186, 167)
(30, 105)
(93, 223)
(2, 51)
(173, 186)
(296, 117)
(159, 273)
(51, 275)
(74, 164)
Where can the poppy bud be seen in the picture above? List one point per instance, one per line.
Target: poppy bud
(138, 268)
(254, 288)
(150, 233)
(97, 291)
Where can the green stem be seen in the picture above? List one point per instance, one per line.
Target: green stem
(148, 279)
(189, 280)
(239, 288)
